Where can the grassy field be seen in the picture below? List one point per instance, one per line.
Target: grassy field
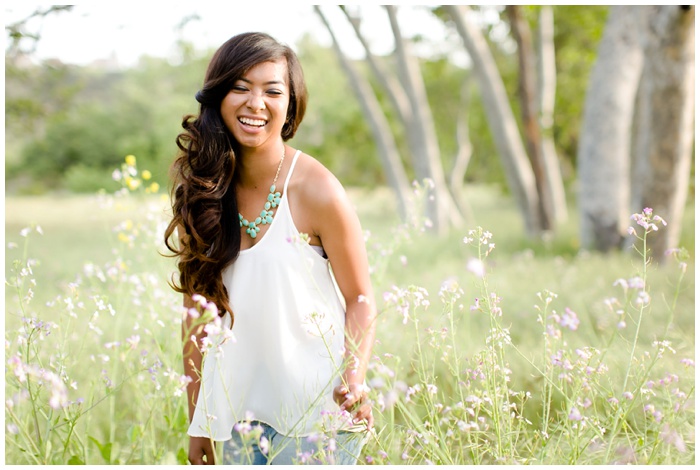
(548, 358)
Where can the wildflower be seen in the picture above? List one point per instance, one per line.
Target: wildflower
(688, 362)
(117, 175)
(628, 395)
(264, 445)
(133, 341)
(569, 319)
(130, 160)
(145, 174)
(575, 414)
(132, 183)
(304, 457)
(476, 267)
(432, 389)
(192, 313)
(671, 436)
(243, 427)
(475, 307)
(331, 447)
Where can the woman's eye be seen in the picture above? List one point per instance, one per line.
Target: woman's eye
(274, 92)
(238, 88)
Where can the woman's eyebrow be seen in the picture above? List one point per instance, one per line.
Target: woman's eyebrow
(271, 82)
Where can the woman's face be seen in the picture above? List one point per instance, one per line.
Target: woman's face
(255, 109)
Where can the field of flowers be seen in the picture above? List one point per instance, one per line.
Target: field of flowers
(490, 349)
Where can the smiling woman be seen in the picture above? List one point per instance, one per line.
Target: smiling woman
(291, 367)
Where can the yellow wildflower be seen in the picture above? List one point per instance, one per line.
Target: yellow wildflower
(132, 183)
(123, 238)
(130, 160)
(154, 187)
(145, 174)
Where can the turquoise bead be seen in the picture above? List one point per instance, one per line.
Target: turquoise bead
(266, 215)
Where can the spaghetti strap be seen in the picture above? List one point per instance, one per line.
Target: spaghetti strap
(291, 170)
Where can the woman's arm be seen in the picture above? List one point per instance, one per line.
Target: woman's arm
(338, 227)
(200, 447)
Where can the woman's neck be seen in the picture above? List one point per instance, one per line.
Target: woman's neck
(258, 166)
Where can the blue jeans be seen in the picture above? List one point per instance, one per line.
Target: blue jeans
(260, 444)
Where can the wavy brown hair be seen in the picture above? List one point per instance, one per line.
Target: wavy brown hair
(204, 173)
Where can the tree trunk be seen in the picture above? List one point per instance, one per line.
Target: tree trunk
(547, 85)
(526, 90)
(464, 152)
(441, 208)
(386, 146)
(666, 120)
(501, 120)
(390, 85)
(604, 145)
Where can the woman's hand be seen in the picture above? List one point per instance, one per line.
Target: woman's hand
(200, 447)
(354, 399)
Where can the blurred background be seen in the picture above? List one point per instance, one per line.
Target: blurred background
(578, 114)
(548, 126)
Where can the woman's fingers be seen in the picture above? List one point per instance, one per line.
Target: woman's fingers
(355, 400)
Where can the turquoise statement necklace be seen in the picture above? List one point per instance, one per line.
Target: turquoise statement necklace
(266, 215)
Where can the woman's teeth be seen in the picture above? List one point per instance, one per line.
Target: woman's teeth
(253, 122)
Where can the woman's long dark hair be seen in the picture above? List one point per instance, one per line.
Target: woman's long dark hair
(204, 174)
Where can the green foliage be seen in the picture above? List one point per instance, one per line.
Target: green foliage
(577, 31)
(334, 129)
(93, 341)
(60, 116)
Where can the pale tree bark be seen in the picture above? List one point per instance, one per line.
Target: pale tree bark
(440, 207)
(604, 144)
(666, 120)
(501, 120)
(386, 145)
(547, 85)
(464, 152)
(527, 93)
(388, 81)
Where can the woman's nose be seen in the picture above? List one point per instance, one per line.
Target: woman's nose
(256, 102)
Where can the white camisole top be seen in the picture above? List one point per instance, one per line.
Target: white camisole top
(286, 354)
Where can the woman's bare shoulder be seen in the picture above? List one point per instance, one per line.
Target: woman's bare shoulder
(316, 183)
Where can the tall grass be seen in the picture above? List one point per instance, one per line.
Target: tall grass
(490, 349)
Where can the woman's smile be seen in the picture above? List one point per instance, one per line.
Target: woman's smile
(255, 109)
